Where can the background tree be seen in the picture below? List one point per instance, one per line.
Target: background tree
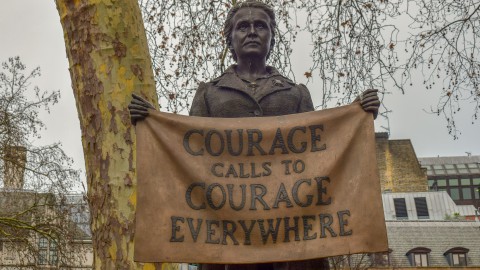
(351, 262)
(355, 45)
(34, 180)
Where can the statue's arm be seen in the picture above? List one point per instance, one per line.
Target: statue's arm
(199, 104)
(138, 109)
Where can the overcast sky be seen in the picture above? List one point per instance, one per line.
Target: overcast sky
(32, 30)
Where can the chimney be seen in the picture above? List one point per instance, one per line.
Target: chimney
(14, 160)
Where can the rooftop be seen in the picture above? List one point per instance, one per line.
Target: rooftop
(438, 236)
(461, 165)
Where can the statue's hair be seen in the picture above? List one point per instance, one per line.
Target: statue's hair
(228, 26)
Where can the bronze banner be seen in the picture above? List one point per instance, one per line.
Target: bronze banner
(253, 190)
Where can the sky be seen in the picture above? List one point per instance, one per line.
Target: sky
(31, 29)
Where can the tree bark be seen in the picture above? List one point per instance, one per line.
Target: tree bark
(109, 60)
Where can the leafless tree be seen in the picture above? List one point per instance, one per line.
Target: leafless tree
(351, 261)
(34, 180)
(355, 45)
(444, 48)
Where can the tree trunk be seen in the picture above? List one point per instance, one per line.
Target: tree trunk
(109, 60)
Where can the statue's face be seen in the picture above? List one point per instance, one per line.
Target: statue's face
(251, 33)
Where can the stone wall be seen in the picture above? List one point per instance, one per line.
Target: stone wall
(398, 166)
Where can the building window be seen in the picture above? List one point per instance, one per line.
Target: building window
(455, 194)
(473, 167)
(462, 168)
(465, 181)
(42, 250)
(467, 193)
(400, 208)
(438, 169)
(450, 169)
(476, 181)
(47, 252)
(429, 170)
(418, 256)
(420, 259)
(459, 259)
(422, 208)
(457, 256)
(433, 185)
(453, 182)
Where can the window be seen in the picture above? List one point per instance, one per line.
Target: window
(53, 255)
(433, 185)
(473, 168)
(476, 181)
(400, 208)
(465, 181)
(418, 256)
(457, 256)
(442, 182)
(422, 209)
(467, 193)
(453, 182)
(47, 252)
(420, 259)
(462, 168)
(450, 169)
(438, 169)
(42, 250)
(455, 194)
(459, 259)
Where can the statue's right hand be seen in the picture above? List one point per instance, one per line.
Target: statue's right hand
(138, 108)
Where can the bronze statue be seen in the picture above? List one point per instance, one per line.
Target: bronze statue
(251, 88)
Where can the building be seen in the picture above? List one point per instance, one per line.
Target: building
(40, 230)
(434, 205)
(423, 230)
(398, 166)
(430, 207)
(458, 176)
(433, 243)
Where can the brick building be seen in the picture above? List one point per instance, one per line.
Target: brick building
(398, 166)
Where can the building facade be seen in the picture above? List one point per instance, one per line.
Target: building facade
(431, 208)
(458, 176)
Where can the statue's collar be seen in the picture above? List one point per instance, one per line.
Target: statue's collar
(271, 71)
(276, 82)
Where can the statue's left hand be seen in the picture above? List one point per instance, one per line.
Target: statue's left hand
(138, 108)
(369, 101)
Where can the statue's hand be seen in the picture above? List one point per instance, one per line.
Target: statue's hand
(369, 101)
(138, 108)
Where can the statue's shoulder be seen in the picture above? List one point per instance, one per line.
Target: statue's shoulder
(276, 75)
(288, 80)
(228, 74)
(295, 86)
(216, 80)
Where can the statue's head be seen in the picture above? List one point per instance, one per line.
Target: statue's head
(228, 28)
